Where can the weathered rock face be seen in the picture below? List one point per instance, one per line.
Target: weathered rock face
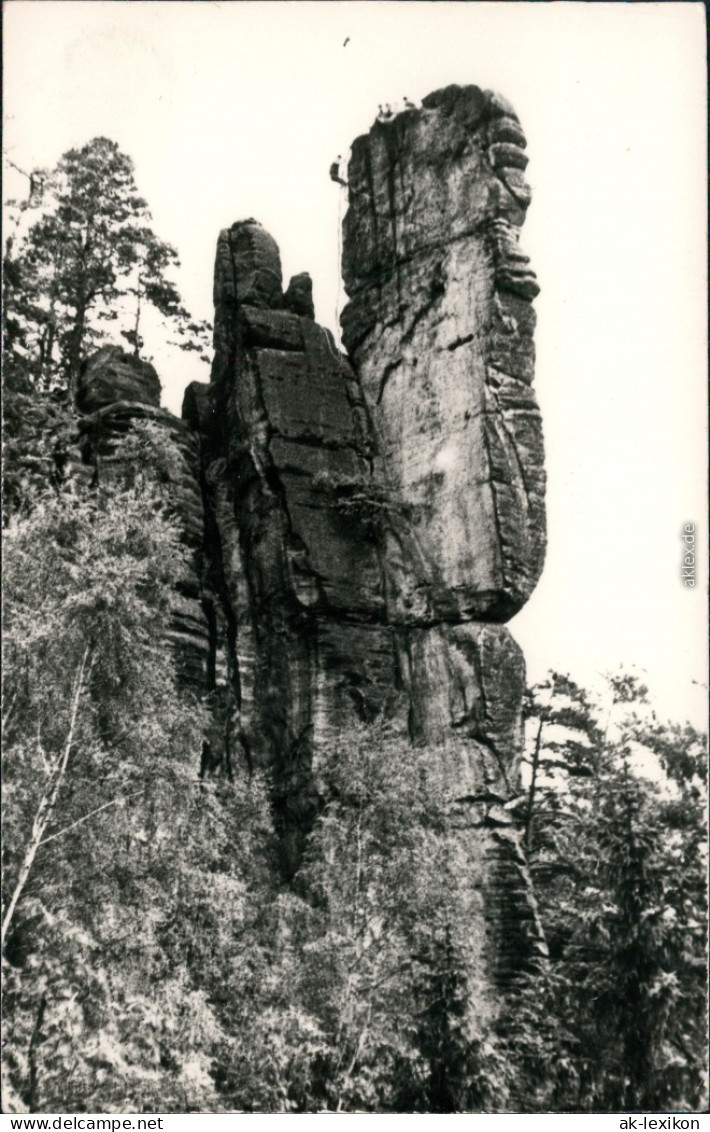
(439, 328)
(112, 375)
(301, 640)
(119, 428)
(117, 395)
(372, 520)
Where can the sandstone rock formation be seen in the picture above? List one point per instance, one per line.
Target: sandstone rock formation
(118, 392)
(118, 398)
(112, 375)
(439, 328)
(372, 520)
(362, 525)
(299, 611)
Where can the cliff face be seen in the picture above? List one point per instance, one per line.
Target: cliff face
(372, 519)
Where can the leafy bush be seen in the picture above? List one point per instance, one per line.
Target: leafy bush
(619, 862)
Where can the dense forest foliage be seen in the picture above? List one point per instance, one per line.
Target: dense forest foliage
(154, 961)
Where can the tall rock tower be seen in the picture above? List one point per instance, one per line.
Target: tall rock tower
(440, 330)
(372, 520)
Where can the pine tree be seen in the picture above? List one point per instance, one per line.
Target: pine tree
(90, 249)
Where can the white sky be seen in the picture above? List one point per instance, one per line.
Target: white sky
(236, 109)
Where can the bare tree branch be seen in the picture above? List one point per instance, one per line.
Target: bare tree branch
(47, 802)
(91, 814)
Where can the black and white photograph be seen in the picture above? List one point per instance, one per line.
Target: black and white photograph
(354, 561)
